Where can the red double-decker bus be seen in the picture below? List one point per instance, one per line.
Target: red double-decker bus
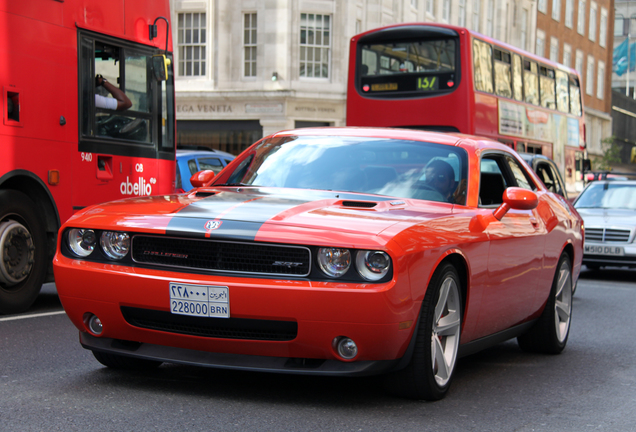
(88, 116)
(447, 78)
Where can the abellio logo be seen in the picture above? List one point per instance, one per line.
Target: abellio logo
(139, 188)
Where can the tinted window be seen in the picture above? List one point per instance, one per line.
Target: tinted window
(213, 164)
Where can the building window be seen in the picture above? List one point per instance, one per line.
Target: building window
(569, 13)
(589, 79)
(315, 43)
(414, 3)
(592, 29)
(556, 10)
(446, 12)
(249, 44)
(542, 6)
(619, 25)
(602, 35)
(540, 47)
(567, 55)
(490, 16)
(430, 7)
(476, 13)
(600, 80)
(580, 23)
(191, 42)
(554, 49)
(461, 19)
(578, 65)
(524, 29)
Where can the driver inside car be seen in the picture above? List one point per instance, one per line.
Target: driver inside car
(440, 176)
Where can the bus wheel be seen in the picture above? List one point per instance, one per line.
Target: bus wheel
(23, 257)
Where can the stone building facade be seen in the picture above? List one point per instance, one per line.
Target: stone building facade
(248, 68)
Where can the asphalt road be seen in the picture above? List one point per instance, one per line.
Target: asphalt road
(48, 382)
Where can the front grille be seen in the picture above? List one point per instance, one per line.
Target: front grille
(223, 256)
(603, 235)
(223, 328)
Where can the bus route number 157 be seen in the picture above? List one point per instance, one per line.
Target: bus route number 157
(427, 83)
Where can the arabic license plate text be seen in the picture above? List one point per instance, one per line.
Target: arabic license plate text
(199, 300)
(604, 250)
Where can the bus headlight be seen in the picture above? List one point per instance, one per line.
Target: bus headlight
(81, 241)
(373, 265)
(334, 262)
(115, 244)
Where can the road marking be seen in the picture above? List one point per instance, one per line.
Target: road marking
(14, 318)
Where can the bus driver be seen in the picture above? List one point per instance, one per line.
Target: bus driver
(118, 102)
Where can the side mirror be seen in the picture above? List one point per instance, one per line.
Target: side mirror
(517, 199)
(202, 178)
(160, 64)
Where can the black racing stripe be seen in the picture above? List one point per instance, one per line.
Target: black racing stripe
(243, 213)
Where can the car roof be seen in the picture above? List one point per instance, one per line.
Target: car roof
(202, 153)
(449, 138)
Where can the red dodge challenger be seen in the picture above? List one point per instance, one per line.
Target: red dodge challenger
(330, 251)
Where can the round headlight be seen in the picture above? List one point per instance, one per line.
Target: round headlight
(334, 261)
(82, 241)
(115, 244)
(373, 265)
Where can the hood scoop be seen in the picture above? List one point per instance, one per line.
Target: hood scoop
(359, 204)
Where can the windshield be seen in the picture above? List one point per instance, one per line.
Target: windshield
(398, 168)
(608, 196)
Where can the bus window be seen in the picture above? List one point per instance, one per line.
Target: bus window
(563, 99)
(546, 87)
(516, 77)
(503, 85)
(531, 82)
(482, 65)
(369, 62)
(147, 121)
(575, 96)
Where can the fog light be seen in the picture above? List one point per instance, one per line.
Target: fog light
(345, 347)
(95, 325)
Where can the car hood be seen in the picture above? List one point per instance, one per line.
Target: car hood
(599, 217)
(250, 213)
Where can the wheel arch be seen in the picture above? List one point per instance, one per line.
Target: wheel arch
(32, 186)
(458, 261)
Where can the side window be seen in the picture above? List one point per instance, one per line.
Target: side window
(519, 174)
(482, 66)
(492, 182)
(516, 75)
(546, 84)
(563, 99)
(546, 176)
(531, 82)
(122, 103)
(192, 166)
(575, 96)
(213, 164)
(503, 79)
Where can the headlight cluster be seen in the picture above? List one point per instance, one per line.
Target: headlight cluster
(114, 244)
(371, 265)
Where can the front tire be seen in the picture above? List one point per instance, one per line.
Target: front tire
(429, 374)
(23, 254)
(550, 333)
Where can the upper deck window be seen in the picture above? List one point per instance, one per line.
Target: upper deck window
(482, 64)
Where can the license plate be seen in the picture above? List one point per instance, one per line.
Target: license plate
(199, 300)
(604, 250)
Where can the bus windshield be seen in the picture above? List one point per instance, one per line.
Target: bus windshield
(395, 68)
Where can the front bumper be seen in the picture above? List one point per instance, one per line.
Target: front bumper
(380, 318)
(593, 257)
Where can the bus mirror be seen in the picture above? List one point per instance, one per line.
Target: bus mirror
(160, 64)
(587, 165)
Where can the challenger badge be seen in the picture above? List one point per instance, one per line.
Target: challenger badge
(212, 224)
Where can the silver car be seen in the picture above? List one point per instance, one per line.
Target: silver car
(608, 208)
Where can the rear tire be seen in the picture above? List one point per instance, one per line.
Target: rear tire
(23, 254)
(116, 361)
(429, 374)
(550, 333)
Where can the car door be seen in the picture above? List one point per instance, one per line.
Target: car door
(515, 259)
